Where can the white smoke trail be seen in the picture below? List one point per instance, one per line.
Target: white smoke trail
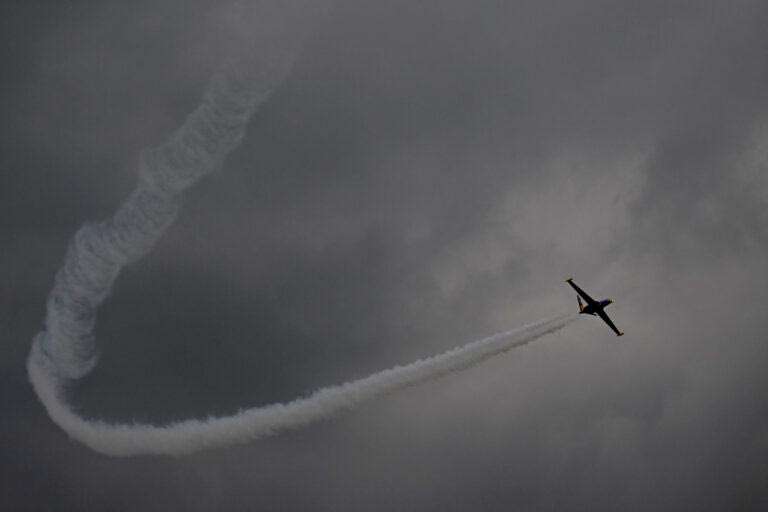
(66, 350)
(193, 435)
(99, 250)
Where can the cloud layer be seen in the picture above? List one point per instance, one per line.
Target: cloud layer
(428, 173)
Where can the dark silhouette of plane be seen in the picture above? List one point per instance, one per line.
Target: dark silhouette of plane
(593, 306)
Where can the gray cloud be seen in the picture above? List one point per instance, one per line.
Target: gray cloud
(428, 174)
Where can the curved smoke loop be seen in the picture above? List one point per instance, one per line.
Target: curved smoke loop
(66, 350)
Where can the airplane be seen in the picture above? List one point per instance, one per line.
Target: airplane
(593, 307)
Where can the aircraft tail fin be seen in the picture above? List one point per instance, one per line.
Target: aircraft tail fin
(581, 306)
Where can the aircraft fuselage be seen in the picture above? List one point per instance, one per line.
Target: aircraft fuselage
(592, 309)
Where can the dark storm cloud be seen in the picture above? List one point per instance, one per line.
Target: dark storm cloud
(426, 176)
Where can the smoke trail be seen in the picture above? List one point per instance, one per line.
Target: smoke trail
(193, 435)
(99, 250)
(66, 350)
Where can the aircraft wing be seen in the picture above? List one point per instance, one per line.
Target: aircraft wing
(581, 292)
(601, 314)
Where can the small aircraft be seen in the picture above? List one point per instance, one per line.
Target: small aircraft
(593, 306)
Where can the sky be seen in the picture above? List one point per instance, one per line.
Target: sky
(428, 174)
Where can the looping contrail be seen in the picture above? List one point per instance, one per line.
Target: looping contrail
(194, 435)
(98, 251)
(66, 350)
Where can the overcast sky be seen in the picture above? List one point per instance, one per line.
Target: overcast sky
(428, 174)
